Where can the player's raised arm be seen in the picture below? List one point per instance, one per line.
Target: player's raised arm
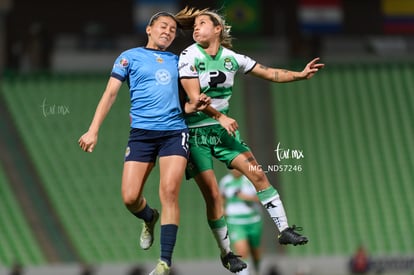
(284, 75)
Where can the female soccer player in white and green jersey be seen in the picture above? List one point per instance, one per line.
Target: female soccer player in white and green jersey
(244, 218)
(209, 66)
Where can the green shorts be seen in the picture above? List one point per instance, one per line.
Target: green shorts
(212, 141)
(252, 232)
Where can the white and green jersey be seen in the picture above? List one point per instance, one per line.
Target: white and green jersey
(216, 75)
(239, 211)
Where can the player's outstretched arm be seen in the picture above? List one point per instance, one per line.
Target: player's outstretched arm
(312, 68)
(284, 75)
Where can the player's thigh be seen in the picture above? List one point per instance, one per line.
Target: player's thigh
(229, 147)
(200, 160)
(247, 164)
(134, 175)
(173, 154)
(140, 157)
(171, 173)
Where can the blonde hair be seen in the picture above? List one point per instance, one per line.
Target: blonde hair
(187, 16)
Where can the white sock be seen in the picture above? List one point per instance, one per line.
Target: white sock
(220, 232)
(271, 201)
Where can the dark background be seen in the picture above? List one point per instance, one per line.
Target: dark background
(45, 20)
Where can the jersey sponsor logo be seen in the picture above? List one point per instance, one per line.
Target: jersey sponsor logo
(182, 65)
(269, 205)
(158, 58)
(201, 66)
(163, 77)
(216, 78)
(227, 235)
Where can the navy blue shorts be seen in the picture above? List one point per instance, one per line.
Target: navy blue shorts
(147, 145)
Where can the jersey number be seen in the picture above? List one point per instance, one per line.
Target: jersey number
(184, 140)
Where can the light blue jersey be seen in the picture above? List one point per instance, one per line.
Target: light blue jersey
(152, 77)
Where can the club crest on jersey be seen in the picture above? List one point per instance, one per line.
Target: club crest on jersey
(163, 77)
(228, 64)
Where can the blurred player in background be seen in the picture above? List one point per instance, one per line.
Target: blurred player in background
(209, 66)
(244, 218)
(158, 129)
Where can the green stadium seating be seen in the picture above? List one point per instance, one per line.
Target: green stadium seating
(354, 124)
(17, 243)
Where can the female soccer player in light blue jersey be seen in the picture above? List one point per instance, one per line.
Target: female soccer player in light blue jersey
(158, 129)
